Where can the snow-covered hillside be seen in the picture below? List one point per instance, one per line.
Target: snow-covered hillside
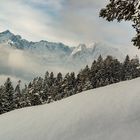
(107, 113)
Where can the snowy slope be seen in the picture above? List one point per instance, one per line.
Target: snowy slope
(107, 113)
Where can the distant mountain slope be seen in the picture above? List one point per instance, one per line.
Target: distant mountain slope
(94, 50)
(86, 54)
(59, 49)
(16, 40)
(41, 48)
(108, 113)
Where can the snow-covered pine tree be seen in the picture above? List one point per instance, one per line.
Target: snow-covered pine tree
(135, 67)
(87, 85)
(112, 70)
(98, 79)
(17, 95)
(45, 88)
(51, 85)
(3, 100)
(126, 69)
(34, 91)
(93, 72)
(65, 85)
(59, 77)
(72, 84)
(78, 87)
(51, 79)
(8, 95)
(25, 98)
(58, 90)
(116, 70)
(85, 78)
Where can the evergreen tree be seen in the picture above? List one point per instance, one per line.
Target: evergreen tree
(72, 84)
(85, 78)
(17, 89)
(94, 70)
(17, 95)
(8, 95)
(51, 85)
(51, 79)
(87, 85)
(112, 70)
(78, 87)
(3, 100)
(116, 70)
(128, 10)
(65, 85)
(126, 70)
(45, 87)
(34, 91)
(46, 76)
(58, 90)
(135, 67)
(59, 77)
(98, 79)
(25, 98)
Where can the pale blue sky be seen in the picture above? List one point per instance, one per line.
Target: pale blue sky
(68, 21)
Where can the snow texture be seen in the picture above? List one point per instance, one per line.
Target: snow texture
(107, 113)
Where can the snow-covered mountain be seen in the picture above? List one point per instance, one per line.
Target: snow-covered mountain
(45, 47)
(18, 42)
(37, 57)
(101, 114)
(42, 47)
(86, 54)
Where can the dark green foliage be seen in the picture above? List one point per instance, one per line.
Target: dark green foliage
(35, 91)
(128, 10)
(52, 88)
(8, 95)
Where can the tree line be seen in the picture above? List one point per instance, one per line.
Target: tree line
(52, 88)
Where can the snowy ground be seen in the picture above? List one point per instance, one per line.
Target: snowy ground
(108, 113)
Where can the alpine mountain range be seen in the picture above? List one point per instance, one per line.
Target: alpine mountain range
(23, 59)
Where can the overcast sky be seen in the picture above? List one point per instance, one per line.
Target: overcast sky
(68, 21)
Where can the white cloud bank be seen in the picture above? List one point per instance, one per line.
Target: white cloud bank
(25, 65)
(18, 64)
(70, 22)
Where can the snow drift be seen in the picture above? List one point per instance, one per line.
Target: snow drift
(107, 113)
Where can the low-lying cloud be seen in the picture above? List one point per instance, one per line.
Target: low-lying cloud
(26, 65)
(18, 64)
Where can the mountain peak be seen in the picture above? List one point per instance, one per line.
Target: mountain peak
(82, 45)
(6, 32)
